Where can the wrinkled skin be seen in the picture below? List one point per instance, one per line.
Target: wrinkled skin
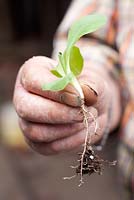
(52, 121)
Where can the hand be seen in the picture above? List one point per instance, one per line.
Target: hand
(52, 121)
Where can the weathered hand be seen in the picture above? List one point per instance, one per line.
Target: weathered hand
(52, 121)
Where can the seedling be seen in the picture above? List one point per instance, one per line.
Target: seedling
(70, 62)
(70, 65)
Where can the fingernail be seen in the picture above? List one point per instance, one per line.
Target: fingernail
(93, 88)
(71, 99)
(90, 94)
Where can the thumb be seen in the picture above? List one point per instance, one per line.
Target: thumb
(71, 97)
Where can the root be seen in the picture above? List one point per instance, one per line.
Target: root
(87, 146)
(89, 162)
(69, 178)
(87, 141)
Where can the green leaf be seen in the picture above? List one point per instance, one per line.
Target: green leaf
(59, 69)
(75, 61)
(58, 84)
(83, 26)
(56, 73)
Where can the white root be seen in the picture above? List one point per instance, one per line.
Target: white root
(87, 141)
(69, 178)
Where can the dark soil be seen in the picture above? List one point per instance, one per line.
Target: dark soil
(92, 163)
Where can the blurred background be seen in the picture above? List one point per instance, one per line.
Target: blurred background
(27, 28)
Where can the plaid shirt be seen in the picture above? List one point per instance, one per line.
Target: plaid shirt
(110, 47)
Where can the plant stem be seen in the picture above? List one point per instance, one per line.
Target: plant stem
(77, 86)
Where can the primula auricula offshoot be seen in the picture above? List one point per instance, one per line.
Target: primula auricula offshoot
(70, 63)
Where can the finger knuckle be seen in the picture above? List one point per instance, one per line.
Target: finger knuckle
(26, 73)
(20, 109)
(24, 127)
(31, 131)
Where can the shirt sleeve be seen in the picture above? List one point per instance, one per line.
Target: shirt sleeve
(125, 42)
